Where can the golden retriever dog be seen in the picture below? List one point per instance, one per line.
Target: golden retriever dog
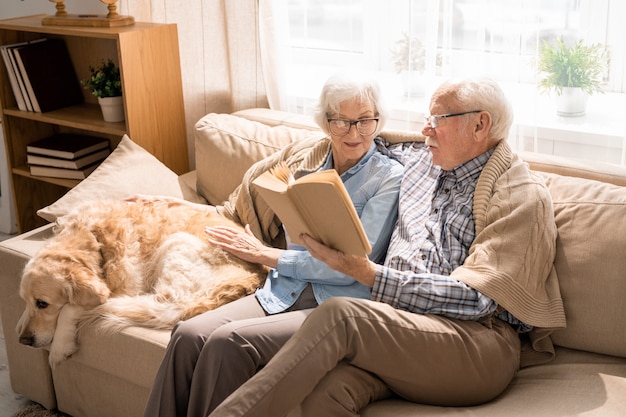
(144, 263)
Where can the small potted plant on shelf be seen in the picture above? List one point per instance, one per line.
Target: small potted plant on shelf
(106, 84)
(572, 72)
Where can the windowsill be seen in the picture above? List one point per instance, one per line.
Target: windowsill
(599, 135)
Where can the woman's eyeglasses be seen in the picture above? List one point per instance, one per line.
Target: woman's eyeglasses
(341, 127)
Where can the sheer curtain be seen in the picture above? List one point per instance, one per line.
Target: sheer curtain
(220, 52)
(442, 39)
(238, 54)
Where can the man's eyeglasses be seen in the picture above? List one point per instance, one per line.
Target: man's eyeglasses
(341, 127)
(434, 120)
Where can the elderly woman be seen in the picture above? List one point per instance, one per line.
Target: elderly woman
(211, 355)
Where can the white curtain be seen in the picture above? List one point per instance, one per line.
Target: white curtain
(220, 53)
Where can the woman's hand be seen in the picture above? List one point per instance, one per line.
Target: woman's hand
(243, 244)
(358, 267)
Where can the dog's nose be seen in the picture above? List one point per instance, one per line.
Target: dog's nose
(27, 340)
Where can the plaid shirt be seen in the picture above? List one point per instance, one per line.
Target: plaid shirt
(432, 238)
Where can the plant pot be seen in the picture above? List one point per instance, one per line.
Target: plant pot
(112, 108)
(572, 102)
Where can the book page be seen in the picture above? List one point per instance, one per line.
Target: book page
(331, 215)
(274, 192)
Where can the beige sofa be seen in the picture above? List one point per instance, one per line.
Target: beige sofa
(112, 376)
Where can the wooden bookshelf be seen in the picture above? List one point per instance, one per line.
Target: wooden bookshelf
(148, 57)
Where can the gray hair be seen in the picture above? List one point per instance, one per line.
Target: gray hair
(341, 87)
(487, 95)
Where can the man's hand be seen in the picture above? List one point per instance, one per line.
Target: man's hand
(358, 267)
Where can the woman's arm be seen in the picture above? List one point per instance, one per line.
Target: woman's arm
(378, 215)
(243, 244)
(377, 202)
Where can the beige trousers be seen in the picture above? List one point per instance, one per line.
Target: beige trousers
(351, 352)
(209, 356)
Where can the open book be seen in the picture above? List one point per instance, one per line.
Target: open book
(317, 204)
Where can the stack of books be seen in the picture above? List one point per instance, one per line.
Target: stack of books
(66, 155)
(41, 75)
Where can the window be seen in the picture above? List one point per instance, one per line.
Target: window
(452, 38)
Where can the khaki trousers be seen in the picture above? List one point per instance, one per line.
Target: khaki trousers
(351, 352)
(209, 356)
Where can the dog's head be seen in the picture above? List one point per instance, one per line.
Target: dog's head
(58, 275)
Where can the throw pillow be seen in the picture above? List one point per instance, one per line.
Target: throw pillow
(590, 263)
(127, 171)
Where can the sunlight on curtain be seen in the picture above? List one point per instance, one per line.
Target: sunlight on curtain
(412, 45)
(220, 56)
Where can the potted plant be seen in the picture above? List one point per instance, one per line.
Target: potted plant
(105, 83)
(408, 54)
(573, 72)
(409, 60)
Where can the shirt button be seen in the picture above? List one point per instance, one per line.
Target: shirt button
(447, 190)
(423, 257)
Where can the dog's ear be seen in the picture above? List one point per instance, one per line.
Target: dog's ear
(86, 289)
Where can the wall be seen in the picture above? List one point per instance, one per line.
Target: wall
(15, 8)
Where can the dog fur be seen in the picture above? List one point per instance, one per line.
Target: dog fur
(144, 263)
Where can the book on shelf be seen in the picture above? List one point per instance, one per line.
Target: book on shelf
(67, 145)
(15, 76)
(49, 75)
(77, 163)
(19, 98)
(73, 174)
(317, 204)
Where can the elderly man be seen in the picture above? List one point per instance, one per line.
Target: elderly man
(466, 296)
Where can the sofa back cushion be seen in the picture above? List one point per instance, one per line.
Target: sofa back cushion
(591, 263)
(227, 145)
(590, 259)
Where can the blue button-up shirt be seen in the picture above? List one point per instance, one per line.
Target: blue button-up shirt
(373, 185)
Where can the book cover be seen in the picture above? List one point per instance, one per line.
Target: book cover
(317, 204)
(20, 80)
(49, 75)
(15, 77)
(11, 72)
(73, 174)
(33, 159)
(67, 145)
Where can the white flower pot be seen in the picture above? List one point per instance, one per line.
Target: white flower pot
(112, 108)
(572, 102)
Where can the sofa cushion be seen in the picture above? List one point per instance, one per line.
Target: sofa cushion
(590, 263)
(112, 375)
(128, 170)
(574, 384)
(227, 145)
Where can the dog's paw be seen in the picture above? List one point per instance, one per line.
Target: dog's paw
(58, 355)
(64, 343)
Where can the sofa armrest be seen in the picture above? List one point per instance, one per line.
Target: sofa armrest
(28, 367)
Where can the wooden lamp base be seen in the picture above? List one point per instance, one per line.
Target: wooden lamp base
(112, 19)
